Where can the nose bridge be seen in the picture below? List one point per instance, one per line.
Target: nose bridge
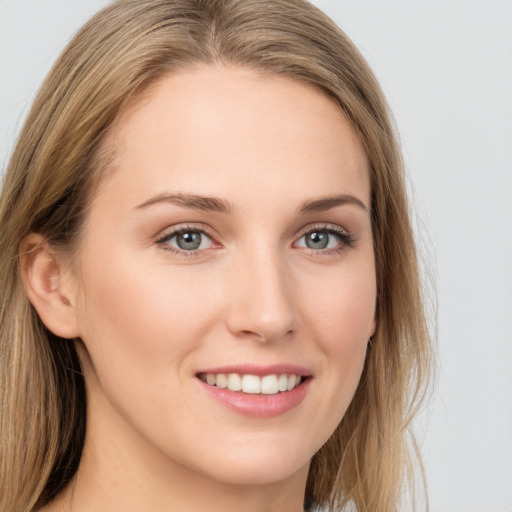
(262, 305)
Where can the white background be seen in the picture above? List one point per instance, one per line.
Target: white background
(446, 67)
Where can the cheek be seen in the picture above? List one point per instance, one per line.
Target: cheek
(342, 305)
(142, 325)
(341, 314)
(142, 317)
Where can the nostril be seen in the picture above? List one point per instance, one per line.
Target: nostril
(255, 335)
(266, 336)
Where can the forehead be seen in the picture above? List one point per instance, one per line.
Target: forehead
(203, 130)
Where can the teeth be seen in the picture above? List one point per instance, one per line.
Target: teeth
(291, 382)
(221, 381)
(252, 384)
(282, 383)
(269, 385)
(234, 382)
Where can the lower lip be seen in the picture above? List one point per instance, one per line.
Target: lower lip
(259, 406)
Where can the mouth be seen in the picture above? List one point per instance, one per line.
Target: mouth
(272, 384)
(257, 391)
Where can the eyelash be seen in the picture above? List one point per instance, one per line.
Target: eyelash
(203, 230)
(344, 238)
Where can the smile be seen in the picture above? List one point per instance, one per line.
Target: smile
(252, 384)
(257, 391)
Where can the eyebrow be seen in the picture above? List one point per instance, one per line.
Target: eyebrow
(326, 203)
(203, 203)
(214, 204)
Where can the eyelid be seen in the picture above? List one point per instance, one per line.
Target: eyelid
(346, 239)
(166, 235)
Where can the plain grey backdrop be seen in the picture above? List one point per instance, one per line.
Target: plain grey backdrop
(446, 67)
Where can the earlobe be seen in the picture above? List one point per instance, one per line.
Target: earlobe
(48, 287)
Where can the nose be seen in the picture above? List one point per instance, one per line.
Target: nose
(261, 304)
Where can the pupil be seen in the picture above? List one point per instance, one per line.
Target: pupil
(189, 240)
(317, 240)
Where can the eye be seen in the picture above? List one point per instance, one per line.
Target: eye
(186, 240)
(325, 238)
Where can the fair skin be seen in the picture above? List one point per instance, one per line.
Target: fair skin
(277, 270)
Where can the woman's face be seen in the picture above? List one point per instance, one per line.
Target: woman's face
(229, 245)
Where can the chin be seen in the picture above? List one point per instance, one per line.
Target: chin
(258, 463)
(258, 474)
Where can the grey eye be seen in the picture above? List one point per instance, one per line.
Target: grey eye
(189, 240)
(317, 239)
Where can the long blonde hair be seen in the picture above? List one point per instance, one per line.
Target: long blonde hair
(59, 157)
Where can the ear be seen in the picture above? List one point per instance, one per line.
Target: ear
(50, 286)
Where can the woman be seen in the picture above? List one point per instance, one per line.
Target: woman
(210, 277)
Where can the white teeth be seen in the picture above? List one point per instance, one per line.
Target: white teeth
(291, 382)
(269, 385)
(282, 382)
(234, 382)
(252, 384)
(221, 381)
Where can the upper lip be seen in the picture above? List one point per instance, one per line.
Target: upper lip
(260, 370)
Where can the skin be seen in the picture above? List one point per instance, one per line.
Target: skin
(150, 318)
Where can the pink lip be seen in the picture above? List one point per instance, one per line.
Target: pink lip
(253, 369)
(259, 406)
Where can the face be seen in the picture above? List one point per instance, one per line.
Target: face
(229, 245)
